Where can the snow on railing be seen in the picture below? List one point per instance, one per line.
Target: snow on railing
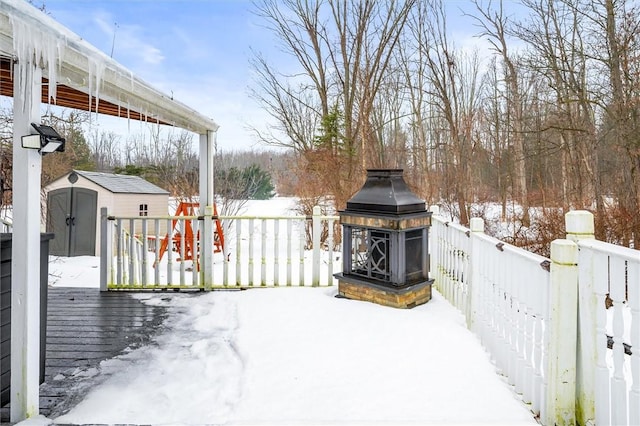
(502, 291)
(257, 252)
(610, 277)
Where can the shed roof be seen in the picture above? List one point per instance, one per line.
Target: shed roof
(122, 184)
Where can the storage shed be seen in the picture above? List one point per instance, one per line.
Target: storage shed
(75, 199)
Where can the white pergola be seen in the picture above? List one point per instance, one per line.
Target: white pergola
(43, 62)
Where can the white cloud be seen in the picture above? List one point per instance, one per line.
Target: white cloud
(127, 40)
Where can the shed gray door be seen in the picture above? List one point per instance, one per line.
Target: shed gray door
(72, 218)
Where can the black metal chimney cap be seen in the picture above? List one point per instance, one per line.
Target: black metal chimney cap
(385, 192)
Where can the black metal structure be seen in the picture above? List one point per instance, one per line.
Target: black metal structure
(385, 234)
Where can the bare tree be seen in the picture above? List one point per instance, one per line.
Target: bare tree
(622, 61)
(344, 51)
(105, 148)
(453, 79)
(422, 126)
(6, 156)
(493, 23)
(77, 154)
(553, 32)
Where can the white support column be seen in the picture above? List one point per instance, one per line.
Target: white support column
(563, 314)
(206, 250)
(580, 226)
(25, 263)
(106, 249)
(207, 200)
(316, 226)
(434, 248)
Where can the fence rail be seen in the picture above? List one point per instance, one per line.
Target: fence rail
(258, 252)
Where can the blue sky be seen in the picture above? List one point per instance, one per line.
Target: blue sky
(197, 50)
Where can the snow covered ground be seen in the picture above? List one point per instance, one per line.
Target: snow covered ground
(295, 356)
(302, 356)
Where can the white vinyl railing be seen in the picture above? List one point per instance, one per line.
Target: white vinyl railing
(511, 290)
(253, 252)
(610, 277)
(450, 256)
(564, 331)
(502, 291)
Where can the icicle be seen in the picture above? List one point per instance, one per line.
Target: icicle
(32, 45)
(99, 74)
(22, 39)
(90, 87)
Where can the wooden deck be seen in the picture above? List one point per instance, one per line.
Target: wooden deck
(85, 327)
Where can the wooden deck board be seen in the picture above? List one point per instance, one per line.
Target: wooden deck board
(85, 327)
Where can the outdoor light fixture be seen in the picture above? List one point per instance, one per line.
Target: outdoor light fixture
(47, 140)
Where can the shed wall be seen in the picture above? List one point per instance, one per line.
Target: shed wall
(117, 204)
(129, 205)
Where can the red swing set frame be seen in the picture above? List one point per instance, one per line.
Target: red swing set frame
(178, 240)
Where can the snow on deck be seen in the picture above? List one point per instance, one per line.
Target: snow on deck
(301, 356)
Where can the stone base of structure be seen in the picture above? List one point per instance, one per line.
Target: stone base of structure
(404, 298)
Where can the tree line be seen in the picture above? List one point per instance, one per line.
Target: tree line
(549, 118)
(164, 156)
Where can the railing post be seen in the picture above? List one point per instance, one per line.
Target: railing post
(316, 226)
(434, 249)
(562, 332)
(580, 226)
(206, 249)
(476, 225)
(106, 249)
